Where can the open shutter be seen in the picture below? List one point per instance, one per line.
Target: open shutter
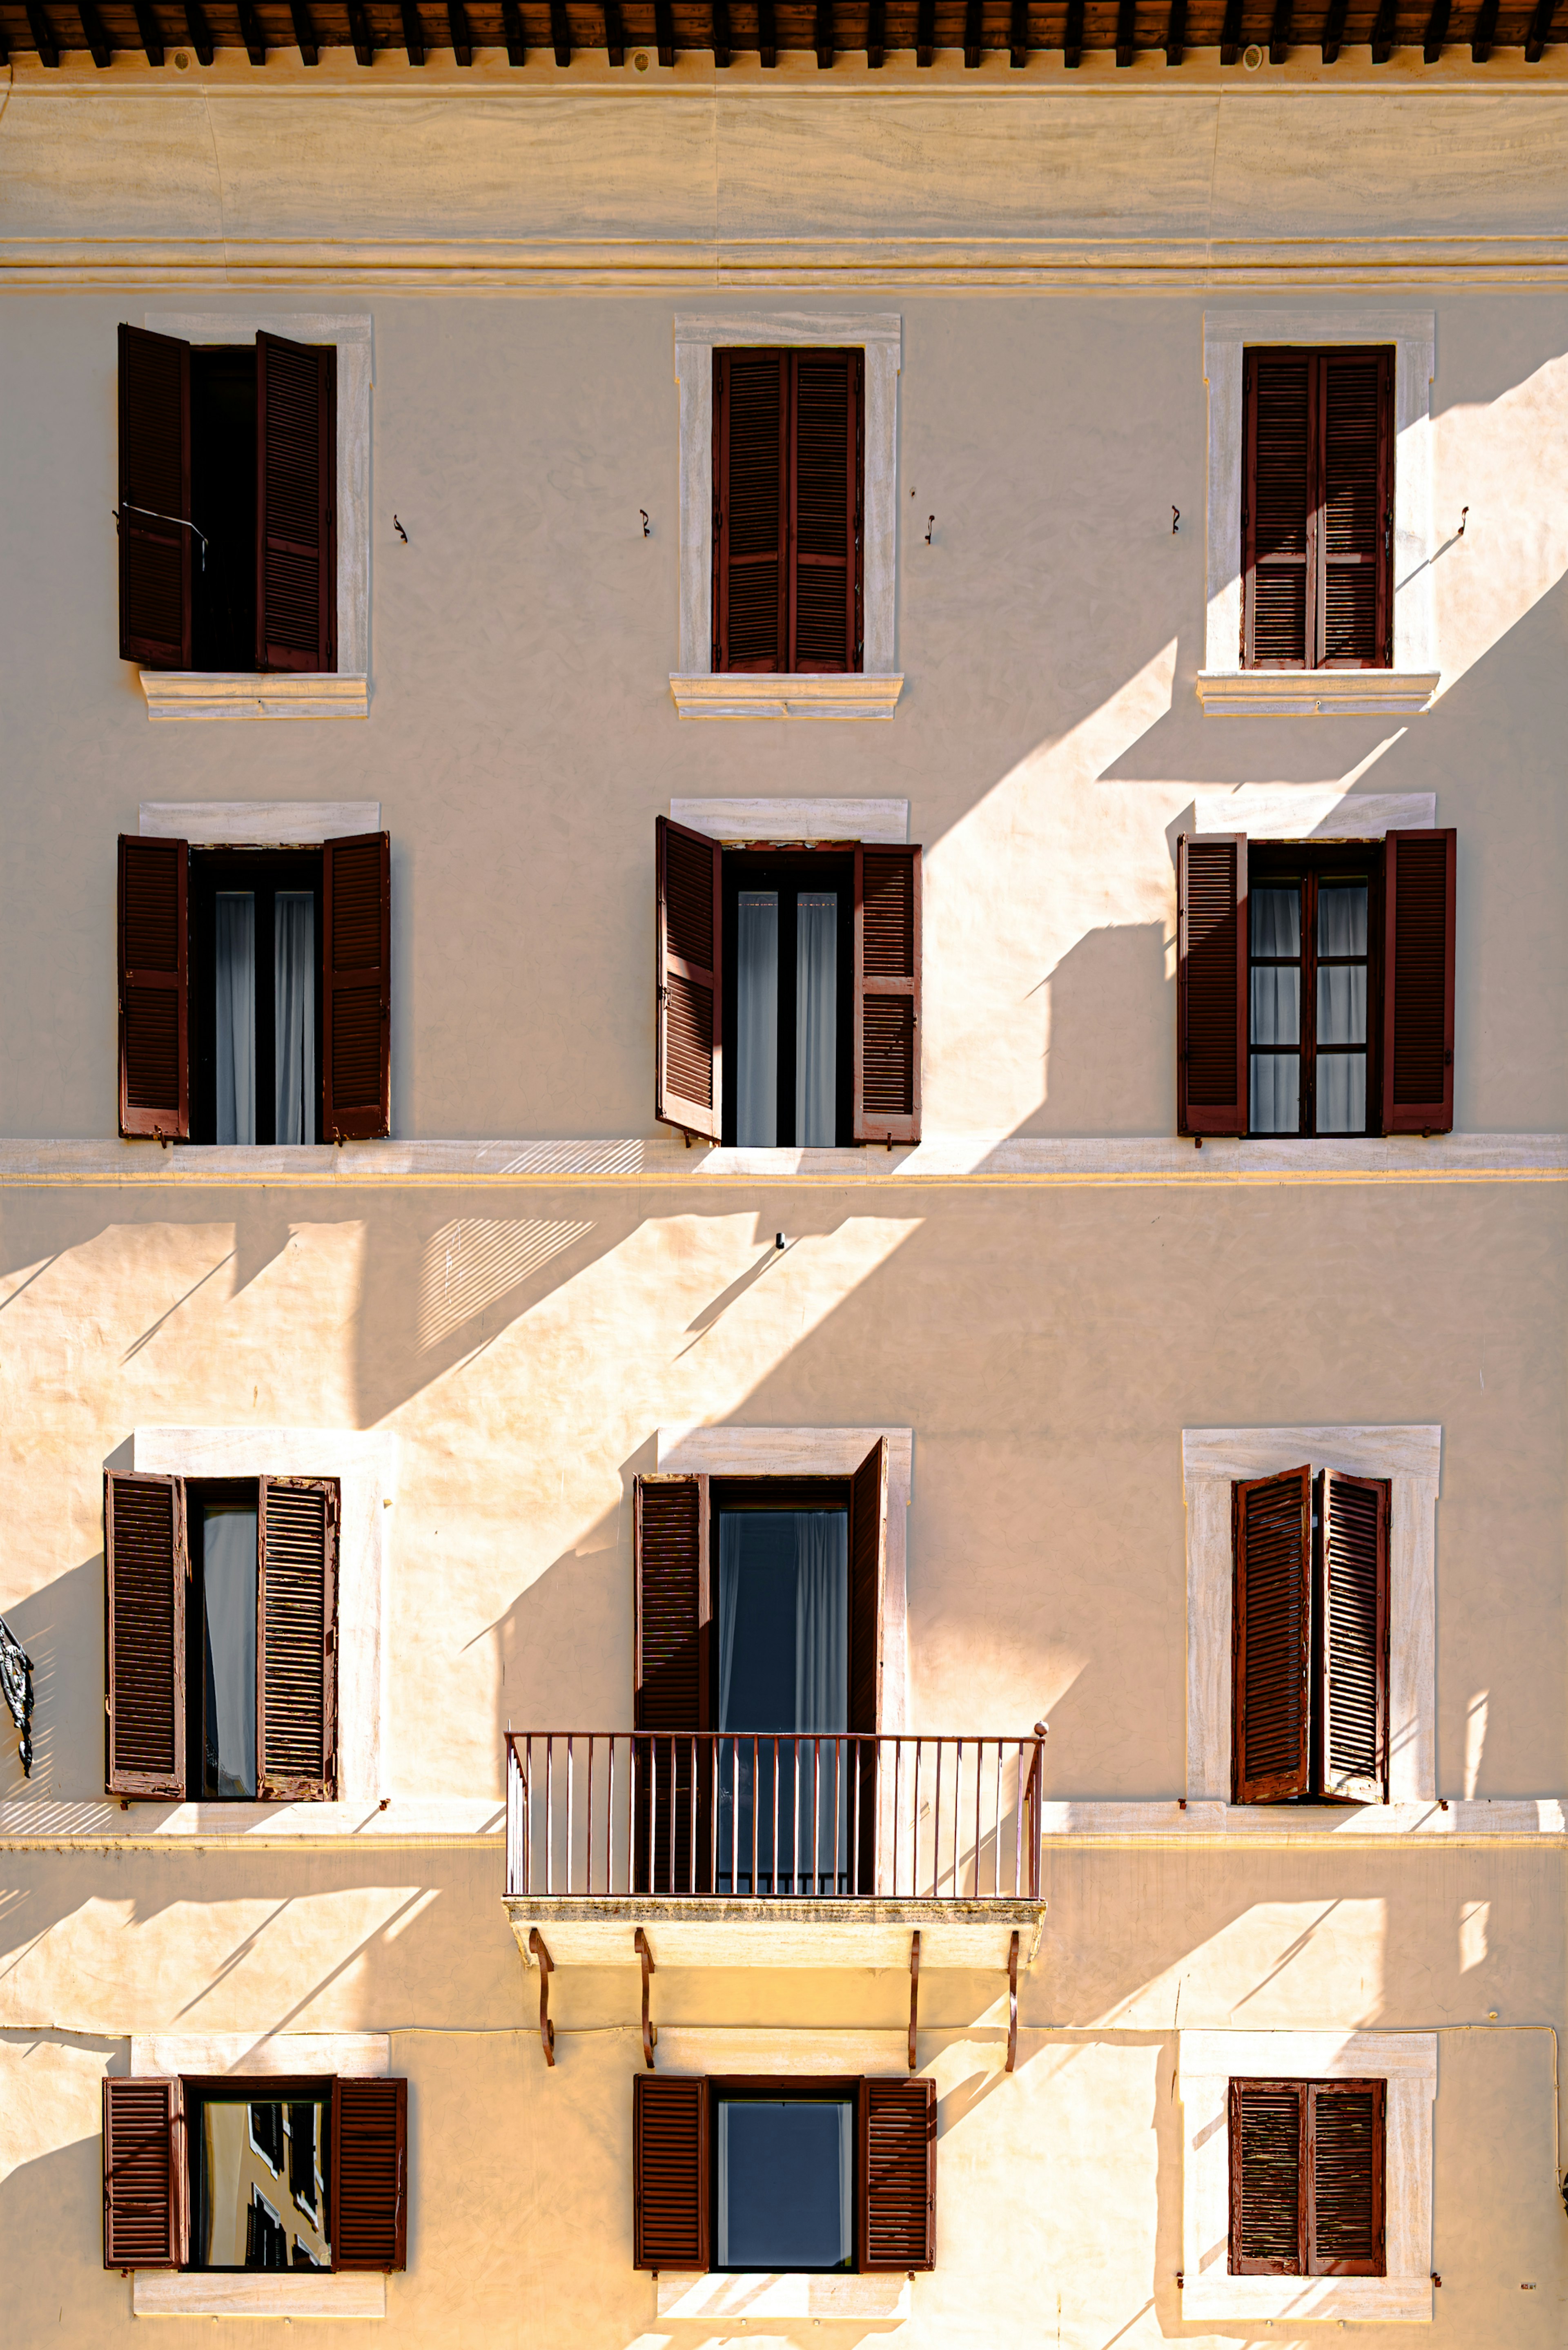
(156, 553)
(1356, 524)
(297, 505)
(296, 1639)
(1418, 876)
(751, 475)
(670, 1541)
(154, 988)
(369, 2186)
(886, 995)
(1211, 982)
(1351, 1717)
(1345, 2139)
(687, 1090)
(1271, 1632)
(356, 988)
(1268, 2212)
(669, 2171)
(867, 1587)
(144, 2200)
(825, 534)
(897, 2226)
(1279, 414)
(145, 1573)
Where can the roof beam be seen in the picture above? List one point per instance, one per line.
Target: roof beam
(93, 33)
(877, 33)
(719, 24)
(1126, 31)
(512, 26)
(926, 33)
(43, 34)
(1382, 33)
(615, 32)
(304, 32)
(1333, 30)
(664, 31)
(1073, 35)
(1280, 33)
(973, 32)
(413, 32)
(5, 47)
(252, 33)
(822, 36)
(767, 36)
(1539, 25)
(1231, 33)
(1018, 33)
(1176, 32)
(462, 38)
(1436, 30)
(152, 32)
(560, 32)
(1483, 32)
(197, 31)
(359, 33)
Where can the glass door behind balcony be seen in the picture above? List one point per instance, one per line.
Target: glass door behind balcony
(783, 1677)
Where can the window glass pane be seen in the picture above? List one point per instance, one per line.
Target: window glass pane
(786, 2183)
(251, 2213)
(1342, 1004)
(783, 1668)
(1342, 1092)
(757, 1019)
(294, 1014)
(816, 1019)
(1276, 919)
(1276, 1003)
(1275, 1107)
(228, 1643)
(234, 962)
(1341, 918)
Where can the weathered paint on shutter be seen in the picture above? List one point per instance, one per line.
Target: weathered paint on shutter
(1419, 871)
(144, 2195)
(826, 402)
(867, 1590)
(1355, 617)
(670, 2171)
(145, 1579)
(897, 2174)
(1346, 2135)
(886, 995)
(356, 988)
(297, 505)
(1270, 1634)
(750, 478)
(670, 1554)
(296, 1639)
(156, 555)
(154, 987)
(1211, 982)
(368, 2211)
(688, 1087)
(1280, 418)
(1268, 2210)
(1351, 1715)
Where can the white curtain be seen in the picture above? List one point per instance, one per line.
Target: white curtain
(234, 957)
(816, 1019)
(821, 1703)
(1275, 1106)
(229, 1589)
(757, 1019)
(1342, 1010)
(294, 1002)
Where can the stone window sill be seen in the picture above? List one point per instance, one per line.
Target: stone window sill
(750, 696)
(725, 2298)
(170, 2292)
(245, 693)
(1315, 692)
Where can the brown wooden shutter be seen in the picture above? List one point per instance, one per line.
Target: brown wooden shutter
(356, 988)
(670, 1555)
(1211, 982)
(1346, 2137)
(1356, 522)
(897, 2215)
(1268, 2207)
(369, 2189)
(1418, 877)
(670, 2171)
(886, 995)
(688, 1087)
(1317, 509)
(750, 519)
(296, 1639)
(145, 2204)
(1270, 1633)
(145, 1577)
(824, 533)
(297, 505)
(1351, 1724)
(154, 988)
(868, 1587)
(157, 557)
(1278, 435)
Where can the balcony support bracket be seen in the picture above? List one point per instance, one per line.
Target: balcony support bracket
(546, 1969)
(1012, 2004)
(649, 2029)
(914, 1992)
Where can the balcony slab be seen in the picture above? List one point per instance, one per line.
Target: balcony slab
(697, 1932)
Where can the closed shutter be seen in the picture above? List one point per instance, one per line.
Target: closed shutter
(1268, 2210)
(1352, 1712)
(154, 988)
(1345, 2171)
(369, 2186)
(156, 555)
(297, 1647)
(897, 2212)
(1270, 1632)
(886, 995)
(1418, 877)
(670, 2171)
(144, 2197)
(1355, 619)
(145, 1575)
(1211, 982)
(297, 502)
(825, 530)
(670, 1541)
(356, 988)
(867, 1586)
(750, 523)
(688, 1091)
(1317, 509)
(1279, 417)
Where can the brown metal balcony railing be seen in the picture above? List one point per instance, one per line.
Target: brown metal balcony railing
(772, 1816)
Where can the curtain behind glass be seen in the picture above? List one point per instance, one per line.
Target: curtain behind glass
(1342, 1009)
(757, 1019)
(1275, 1007)
(293, 1013)
(235, 960)
(820, 1702)
(816, 1019)
(229, 1635)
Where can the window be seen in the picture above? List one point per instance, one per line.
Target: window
(768, 2176)
(255, 1023)
(788, 466)
(1307, 2178)
(788, 992)
(1317, 509)
(1316, 986)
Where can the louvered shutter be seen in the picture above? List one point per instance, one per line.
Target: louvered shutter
(154, 988)
(356, 988)
(670, 2171)
(898, 2204)
(1419, 877)
(751, 476)
(1345, 2177)
(1356, 522)
(688, 1087)
(867, 1585)
(886, 995)
(145, 1575)
(1352, 1709)
(156, 555)
(1279, 427)
(669, 1541)
(1268, 2210)
(369, 2186)
(1211, 982)
(145, 2201)
(296, 1639)
(1270, 1634)
(297, 505)
(825, 527)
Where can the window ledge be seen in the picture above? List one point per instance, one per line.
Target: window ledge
(245, 693)
(748, 696)
(723, 2295)
(1315, 692)
(169, 2292)
(1358, 2300)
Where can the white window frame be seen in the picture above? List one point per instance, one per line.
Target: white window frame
(1206, 2063)
(294, 693)
(1224, 688)
(874, 691)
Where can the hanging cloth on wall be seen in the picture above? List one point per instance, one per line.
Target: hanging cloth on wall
(16, 1687)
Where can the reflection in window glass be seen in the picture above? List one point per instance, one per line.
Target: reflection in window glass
(244, 2218)
(757, 1019)
(235, 1009)
(816, 1019)
(786, 2183)
(229, 1648)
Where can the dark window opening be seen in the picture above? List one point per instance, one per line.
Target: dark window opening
(240, 2145)
(221, 1646)
(256, 1012)
(223, 504)
(1313, 920)
(788, 998)
(783, 2181)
